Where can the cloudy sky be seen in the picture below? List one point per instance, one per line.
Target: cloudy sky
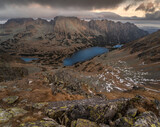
(149, 9)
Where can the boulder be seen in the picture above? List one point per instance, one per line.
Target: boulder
(147, 119)
(132, 112)
(10, 99)
(41, 123)
(16, 112)
(83, 123)
(4, 116)
(124, 122)
(39, 105)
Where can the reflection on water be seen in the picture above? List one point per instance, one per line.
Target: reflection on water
(84, 55)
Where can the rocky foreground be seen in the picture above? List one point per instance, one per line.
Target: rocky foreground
(93, 112)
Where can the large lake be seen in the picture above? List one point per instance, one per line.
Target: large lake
(84, 55)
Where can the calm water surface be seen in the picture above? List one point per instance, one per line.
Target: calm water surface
(28, 59)
(84, 55)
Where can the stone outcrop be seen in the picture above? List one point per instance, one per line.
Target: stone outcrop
(9, 114)
(99, 112)
(93, 112)
(10, 99)
(96, 109)
(41, 123)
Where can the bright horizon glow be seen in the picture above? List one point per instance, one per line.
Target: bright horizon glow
(120, 11)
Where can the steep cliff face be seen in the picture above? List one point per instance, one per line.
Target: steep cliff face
(70, 25)
(116, 32)
(108, 32)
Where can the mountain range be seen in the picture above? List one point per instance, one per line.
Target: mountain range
(63, 35)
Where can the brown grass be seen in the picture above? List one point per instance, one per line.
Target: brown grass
(28, 119)
(148, 94)
(45, 95)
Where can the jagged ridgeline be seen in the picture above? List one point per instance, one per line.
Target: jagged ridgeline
(99, 32)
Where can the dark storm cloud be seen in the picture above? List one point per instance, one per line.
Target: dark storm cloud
(82, 4)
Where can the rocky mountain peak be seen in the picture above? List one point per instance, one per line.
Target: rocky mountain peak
(19, 21)
(70, 25)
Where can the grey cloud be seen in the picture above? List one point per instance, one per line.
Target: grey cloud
(141, 7)
(153, 16)
(133, 3)
(81, 4)
(149, 7)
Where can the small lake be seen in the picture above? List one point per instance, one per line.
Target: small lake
(118, 46)
(28, 59)
(84, 55)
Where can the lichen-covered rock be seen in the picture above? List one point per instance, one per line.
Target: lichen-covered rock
(103, 125)
(4, 116)
(16, 112)
(73, 123)
(147, 119)
(39, 105)
(56, 112)
(132, 112)
(10, 99)
(94, 109)
(124, 122)
(84, 123)
(41, 124)
(157, 103)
